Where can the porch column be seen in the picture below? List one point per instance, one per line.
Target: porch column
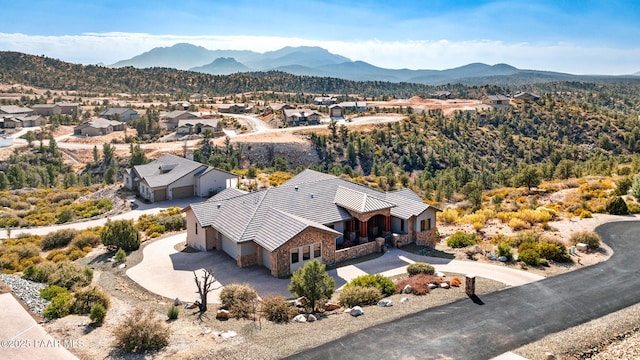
(387, 223)
(363, 231)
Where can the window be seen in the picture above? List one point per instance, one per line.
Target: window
(425, 225)
(316, 251)
(294, 256)
(306, 253)
(196, 228)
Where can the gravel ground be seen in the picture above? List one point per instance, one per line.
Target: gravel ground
(28, 291)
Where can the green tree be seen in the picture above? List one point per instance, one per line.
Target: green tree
(96, 156)
(4, 181)
(137, 156)
(528, 176)
(30, 137)
(120, 234)
(617, 206)
(635, 187)
(313, 282)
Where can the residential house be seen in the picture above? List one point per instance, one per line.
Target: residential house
(232, 108)
(15, 110)
(311, 216)
(97, 127)
(336, 111)
(31, 120)
(525, 96)
(354, 105)
(172, 177)
(296, 117)
(496, 100)
(324, 100)
(179, 105)
(198, 126)
(440, 95)
(67, 108)
(170, 120)
(47, 109)
(273, 107)
(121, 114)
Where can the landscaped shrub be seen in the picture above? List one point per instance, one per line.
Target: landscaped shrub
(87, 298)
(140, 331)
(57, 255)
(276, 309)
(419, 283)
(60, 306)
(97, 314)
(381, 282)
(239, 299)
(58, 239)
(529, 256)
(173, 312)
(553, 251)
(420, 268)
(52, 291)
(590, 238)
(67, 274)
(525, 236)
(505, 250)
(39, 272)
(448, 216)
(358, 295)
(617, 206)
(121, 256)
(460, 240)
(86, 238)
(120, 234)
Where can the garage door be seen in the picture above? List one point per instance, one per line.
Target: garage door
(182, 191)
(159, 195)
(230, 247)
(266, 258)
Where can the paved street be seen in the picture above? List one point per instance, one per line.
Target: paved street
(504, 320)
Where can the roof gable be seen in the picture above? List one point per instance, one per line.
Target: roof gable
(359, 201)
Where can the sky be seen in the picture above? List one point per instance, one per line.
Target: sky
(577, 37)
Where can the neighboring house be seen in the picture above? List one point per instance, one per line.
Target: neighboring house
(197, 126)
(173, 177)
(122, 114)
(312, 216)
(10, 122)
(278, 107)
(232, 108)
(31, 120)
(47, 109)
(15, 110)
(324, 100)
(179, 105)
(69, 108)
(97, 127)
(171, 119)
(336, 111)
(354, 105)
(199, 96)
(441, 95)
(496, 100)
(525, 96)
(296, 117)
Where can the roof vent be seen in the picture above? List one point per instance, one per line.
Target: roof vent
(311, 196)
(296, 187)
(219, 205)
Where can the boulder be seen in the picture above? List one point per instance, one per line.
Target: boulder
(311, 318)
(444, 285)
(300, 319)
(440, 274)
(385, 303)
(228, 334)
(404, 300)
(357, 311)
(407, 289)
(582, 247)
(432, 286)
(331, 306)
(122, 266)
(502, 258)
(492, 257)
(177, 302)
(222, 314)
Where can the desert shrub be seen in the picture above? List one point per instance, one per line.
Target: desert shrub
(87, 298)
(505, 250)
(39, 272)
(617, 206)
(420, 268)
(526, 236)
(381, 282)
(173, 312)
(529, 256)
(67, 274)
(552, 251)
(60, 306)
(57, 255)
(358, 295)
(448, 216)
(174, 222)
(590, 238)
(120, 234)
(140, 331)
(121, 256)
(86, 238)
(419, 283)
(623, 185)
(74, 253)
(58, 239)
(97, 313)
(455, 281)
(460, 240)
(518, 224)
(52, 291)
(239, 300)
(276, 309)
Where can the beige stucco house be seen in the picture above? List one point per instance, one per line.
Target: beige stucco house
(296, 117)
(173, 177)
(171, 120)
(312, 216)
(97, 127)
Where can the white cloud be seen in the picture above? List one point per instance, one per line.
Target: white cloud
(424, 54)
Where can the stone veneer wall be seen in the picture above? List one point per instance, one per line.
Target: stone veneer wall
(247, 260)
(359, 250)
(427, 238)
(280, 258)
(400, 240)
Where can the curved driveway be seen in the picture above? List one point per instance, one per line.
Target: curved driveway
(507, 319)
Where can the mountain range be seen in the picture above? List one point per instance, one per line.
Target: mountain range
(316, 61)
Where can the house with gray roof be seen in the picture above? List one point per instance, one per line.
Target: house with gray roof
(173, 177)
(97, 127)
(497, 101)
(15, 110)
(198, 126)
(311, 216)
(122, 114)
(47, 109)
(172, 119)
(296, 117)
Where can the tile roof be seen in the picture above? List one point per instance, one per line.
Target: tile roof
(282, 226)
(113, 111)
(166, 169)
(13, 109)
(315, 199)
(100, 123)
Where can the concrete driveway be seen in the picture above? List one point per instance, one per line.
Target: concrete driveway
(505, 320)
(169, 273)
(22, 338)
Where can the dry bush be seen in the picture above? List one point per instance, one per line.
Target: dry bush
(239, 299)
(590, 238)
(140, 331)
(455, 281)
(87, 298)
(518, 224)
(448, 216)
(277, 309)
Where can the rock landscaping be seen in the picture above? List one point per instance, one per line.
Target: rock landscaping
(28, 291)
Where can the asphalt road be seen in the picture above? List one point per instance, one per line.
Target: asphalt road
(505, 320)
